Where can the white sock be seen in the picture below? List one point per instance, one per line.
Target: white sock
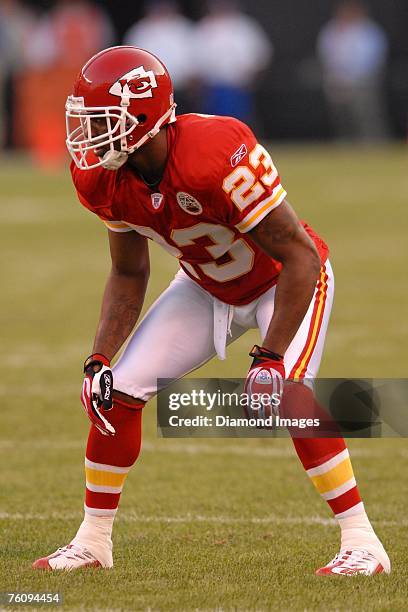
(357, 533)
(95, 534)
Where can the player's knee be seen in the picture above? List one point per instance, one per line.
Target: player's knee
(126, 418)
(298, 401)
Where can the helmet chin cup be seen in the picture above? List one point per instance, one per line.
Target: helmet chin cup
(113, 160)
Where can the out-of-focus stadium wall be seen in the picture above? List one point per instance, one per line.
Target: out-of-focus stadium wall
(290, 98)
(294, 26)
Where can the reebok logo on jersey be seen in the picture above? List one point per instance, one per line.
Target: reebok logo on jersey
(157, 200)
(238, 155)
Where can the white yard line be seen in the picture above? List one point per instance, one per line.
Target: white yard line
(191, 448)
(194, 518)
(168, 446)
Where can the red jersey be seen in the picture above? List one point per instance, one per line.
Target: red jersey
(218, 184)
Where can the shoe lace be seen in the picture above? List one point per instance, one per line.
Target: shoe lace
(352, 559)
(72, 550)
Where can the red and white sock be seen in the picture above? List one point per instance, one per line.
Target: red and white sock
(107, 463)
(327, 463)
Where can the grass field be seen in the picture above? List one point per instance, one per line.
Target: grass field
(204, 524)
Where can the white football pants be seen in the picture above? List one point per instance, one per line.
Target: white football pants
(187, 326)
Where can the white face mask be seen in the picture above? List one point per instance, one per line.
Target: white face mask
(117, 123)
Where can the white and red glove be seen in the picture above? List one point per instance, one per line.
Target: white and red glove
(265, 377)
(97, 392)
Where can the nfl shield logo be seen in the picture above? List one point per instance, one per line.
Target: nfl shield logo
(157, 199)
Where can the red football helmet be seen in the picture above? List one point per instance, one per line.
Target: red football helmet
(122, 97)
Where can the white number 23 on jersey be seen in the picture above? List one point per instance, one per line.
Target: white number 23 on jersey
(242, 184)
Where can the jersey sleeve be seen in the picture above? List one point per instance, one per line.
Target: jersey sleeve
(117, 226)
(105, 215)
(249, 186)
(95, 190)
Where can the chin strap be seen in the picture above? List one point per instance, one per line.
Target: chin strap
(113, 160)
(170, 114)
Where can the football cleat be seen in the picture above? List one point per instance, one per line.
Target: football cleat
(69, 558)
(352, 563)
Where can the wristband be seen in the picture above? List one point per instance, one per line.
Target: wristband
(260, 351)
(96, 359)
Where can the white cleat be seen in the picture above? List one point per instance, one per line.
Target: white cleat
(71, 557)
(354, 562)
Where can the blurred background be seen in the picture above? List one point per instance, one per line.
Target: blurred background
(295, 70)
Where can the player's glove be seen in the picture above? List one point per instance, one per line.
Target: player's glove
(264, 382)
(97, 392)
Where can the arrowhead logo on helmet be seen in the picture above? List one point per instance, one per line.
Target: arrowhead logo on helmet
(137, 83)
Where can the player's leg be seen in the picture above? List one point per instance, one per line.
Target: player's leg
(175, 337)
(326, 460)
(107, 463)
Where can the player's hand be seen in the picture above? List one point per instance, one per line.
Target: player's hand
(97, 392)
(265, 379)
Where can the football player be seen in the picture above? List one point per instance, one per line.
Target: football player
(205, 190)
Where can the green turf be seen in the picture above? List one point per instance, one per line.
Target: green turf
(204, 524)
